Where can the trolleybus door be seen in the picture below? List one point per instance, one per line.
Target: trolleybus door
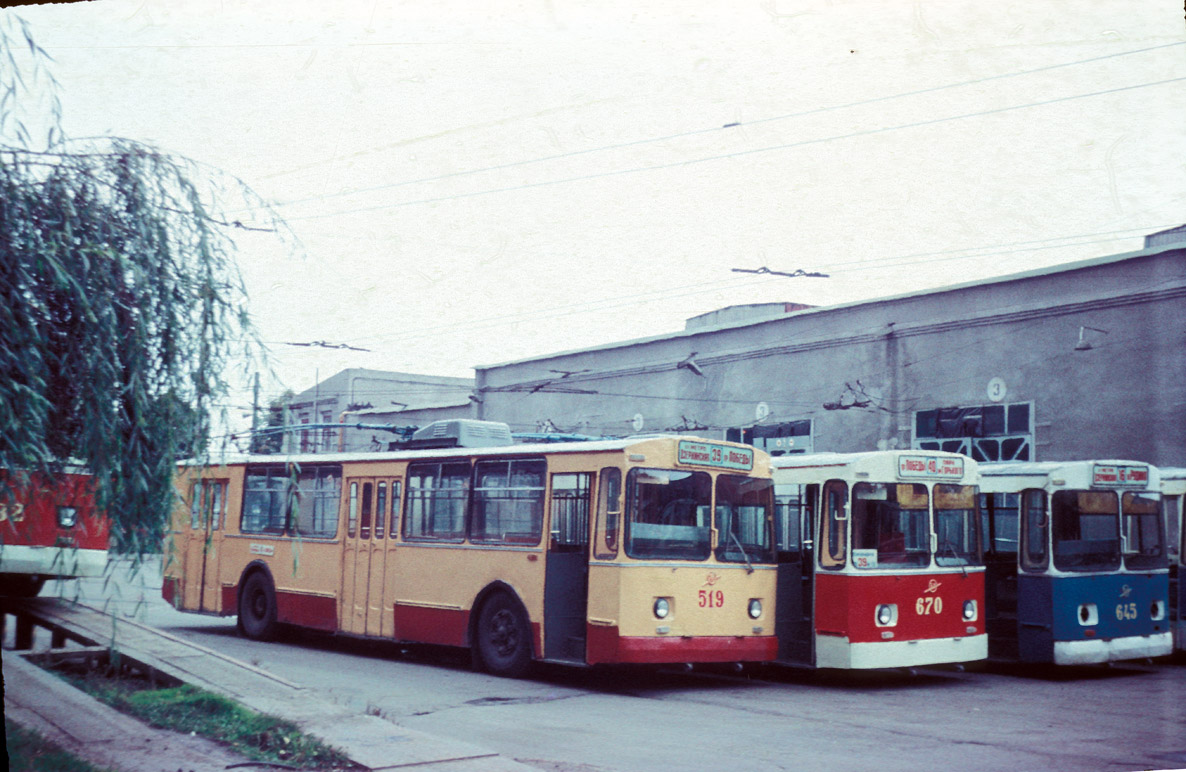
(379, 546)
(795, 506)
(566, 576)
(202, 543)
(356, 554)
(382, 591)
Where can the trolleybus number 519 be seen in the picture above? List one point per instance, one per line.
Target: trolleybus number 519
(712, 598)
(927, 606)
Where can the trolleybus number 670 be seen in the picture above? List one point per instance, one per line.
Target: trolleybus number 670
(926, 606)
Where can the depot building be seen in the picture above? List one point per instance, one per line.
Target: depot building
(1080, 360)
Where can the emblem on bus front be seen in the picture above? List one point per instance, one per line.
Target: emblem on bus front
(711, 579)
(1125, 591)
(933, 586)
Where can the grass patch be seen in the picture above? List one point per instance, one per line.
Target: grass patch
(28, 751)
(190, 709)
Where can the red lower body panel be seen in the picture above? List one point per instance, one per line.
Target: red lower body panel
(604, 645)
(317, 612)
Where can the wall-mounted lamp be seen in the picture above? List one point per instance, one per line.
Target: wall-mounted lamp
(1083, 344)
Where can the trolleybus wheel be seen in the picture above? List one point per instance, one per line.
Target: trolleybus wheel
(257, 608)
(504, 637)
(21, 586)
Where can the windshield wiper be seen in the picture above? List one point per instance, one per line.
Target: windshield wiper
(749, 567)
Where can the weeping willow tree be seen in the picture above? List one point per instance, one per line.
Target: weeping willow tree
(121, 308)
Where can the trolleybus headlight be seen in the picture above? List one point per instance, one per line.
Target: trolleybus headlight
(1157, 610)
(969, 610)
(1088, 614)
(887, 615)
(755, 608)
(67, 516)
(662, 608)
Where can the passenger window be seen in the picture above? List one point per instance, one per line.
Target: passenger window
(380, 510)
(609, 512)
(834, 535)
(396, 489)
(1034, 531)
(570, 511)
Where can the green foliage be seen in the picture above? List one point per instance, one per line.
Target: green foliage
(189, 709)
(271, 438)
(28, 751)
(121, 308)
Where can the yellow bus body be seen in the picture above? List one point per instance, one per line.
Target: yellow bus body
(604, 604)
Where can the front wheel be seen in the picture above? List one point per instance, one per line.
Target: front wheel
(504, 637)
(257, 608)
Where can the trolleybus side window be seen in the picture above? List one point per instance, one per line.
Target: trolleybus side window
(889, 525)
(1144, 546)
(434, 509)
(364, 520)
(352, 511)
(833, 551)
(1034, 525)
(999, 518)
(668, 514)
(955, 524)
(380, 509)
(396, 487)
(207, 504)
(508, 501)
(264, 500)
(1086, 530)
(788, 514)
(570, 511)
(609, 513)
(744, 506)
(317, 494)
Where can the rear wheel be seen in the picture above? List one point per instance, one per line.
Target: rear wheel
(257, 608)
(504, 637)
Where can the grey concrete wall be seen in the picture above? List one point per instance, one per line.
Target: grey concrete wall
(1125, 397)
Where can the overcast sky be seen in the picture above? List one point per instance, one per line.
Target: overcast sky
(474, 183)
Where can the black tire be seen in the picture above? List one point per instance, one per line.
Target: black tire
(257, 608)
(21, 585)
(504, 637)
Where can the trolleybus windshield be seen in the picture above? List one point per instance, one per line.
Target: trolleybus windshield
(1144, 543)
(669, 514)
(889, 521)
(1086, 527)
(744, 507)
(955, 524)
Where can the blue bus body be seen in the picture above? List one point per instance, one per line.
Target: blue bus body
(1173, 502)
(1077, 570)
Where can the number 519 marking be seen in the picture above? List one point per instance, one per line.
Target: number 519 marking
(712, 598)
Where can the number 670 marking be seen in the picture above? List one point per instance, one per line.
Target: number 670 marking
(926, 606)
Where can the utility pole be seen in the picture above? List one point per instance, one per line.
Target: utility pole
(254, 414)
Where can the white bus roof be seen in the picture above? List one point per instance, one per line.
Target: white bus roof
(525, 449)
(1073, 474)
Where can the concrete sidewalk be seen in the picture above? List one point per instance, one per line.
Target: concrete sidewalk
(80, 723)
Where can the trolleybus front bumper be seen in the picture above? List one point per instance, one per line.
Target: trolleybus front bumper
(1093, 652)
(837, 652)
(52, 561)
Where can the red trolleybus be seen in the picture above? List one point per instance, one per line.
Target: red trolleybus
(1078, 572)
(653, 550)
(879, 560)
(49, 529)
(1173, 503)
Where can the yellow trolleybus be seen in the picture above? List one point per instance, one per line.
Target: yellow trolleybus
(647, 550)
